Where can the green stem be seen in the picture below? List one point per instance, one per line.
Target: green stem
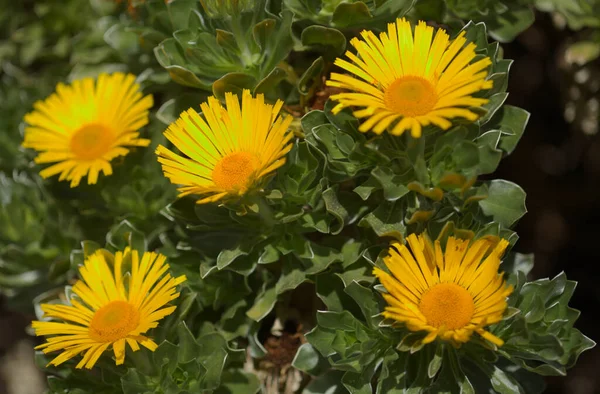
(240, 38)
(416, 153)
(264, 210)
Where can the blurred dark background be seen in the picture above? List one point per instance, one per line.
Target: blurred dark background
(558, 165)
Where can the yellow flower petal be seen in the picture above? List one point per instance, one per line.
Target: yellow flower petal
(228, 149)
(407, 83)
(83, 126)
(449, 294)
(110, 315)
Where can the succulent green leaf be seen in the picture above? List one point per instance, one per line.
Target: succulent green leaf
(386, 221)
(360, 383)
(238, 382)
(330, 289)
(394, 371)
(328, 383)
(509, 24)
(275, 40)
(170, 111)
(124, 235)
(505, 202)
(311, 75)
(233, 82)
(392, 185)
(228, 256)
(270, 82)
(436, 361)
(291, 277)
(345, 207)
(263, 304)
(489, 154)
(347, 14)
(511, 121)
(308, 360)
(327, 40)
(366, 301)
(179, 12)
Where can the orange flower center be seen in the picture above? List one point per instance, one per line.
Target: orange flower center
(114, 321)
(448, 305)
(92, 141)
(234, 171)
(410, 96)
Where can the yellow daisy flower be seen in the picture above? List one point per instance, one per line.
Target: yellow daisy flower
(449, 295)
(111, 308)
(83, 126)
(411, 81)
(228, 150)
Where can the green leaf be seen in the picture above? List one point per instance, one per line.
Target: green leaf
(344, 206)
(347, 14)
(518, 262)
(321, 258)
(122, 40)
(188, 347)
(387, 221)
(179, 12)
(492, 106)
(329, 41)
(263, 304)
(360, 383)
(212, 358)
(312, 74)
(135, 383)
(330, 289)
(308, 360)
(367, 188)
(511, 121)
(436, 362)
(503, 383)
(275, 40)
(489, 155)
(291, 277)
(89, 248)
(463, 382)
(125, 234)
(238, 382)
(433, 193)
(343, 120)
(429, 10)
(228, 256)
(509, 24)
(234, 82)
(227, 41)
(465, 155)
(270, 82)
(393, 187)
(170, 111)
(394, 373)
(366, 301)
(328, 383)
(505, 202)
(582, 52)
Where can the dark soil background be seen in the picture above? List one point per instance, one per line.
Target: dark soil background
(557, 164)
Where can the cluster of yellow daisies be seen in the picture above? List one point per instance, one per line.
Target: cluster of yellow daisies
(399, 82)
